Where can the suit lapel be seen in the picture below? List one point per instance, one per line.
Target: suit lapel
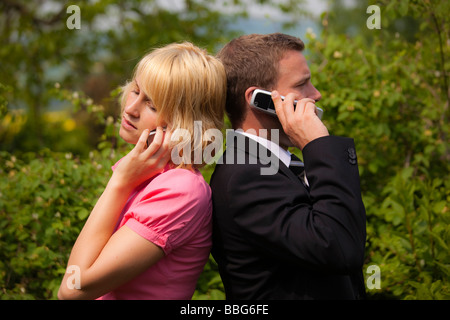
(239, 145)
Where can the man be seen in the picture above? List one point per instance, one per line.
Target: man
(282, 236)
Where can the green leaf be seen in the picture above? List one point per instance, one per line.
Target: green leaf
(82, 213)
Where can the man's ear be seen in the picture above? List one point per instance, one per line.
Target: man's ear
(249, 93)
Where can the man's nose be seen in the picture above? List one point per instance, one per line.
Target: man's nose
(316, 95)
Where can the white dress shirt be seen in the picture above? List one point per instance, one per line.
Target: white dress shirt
(279, 152)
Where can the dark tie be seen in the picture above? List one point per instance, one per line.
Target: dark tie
(298, 168)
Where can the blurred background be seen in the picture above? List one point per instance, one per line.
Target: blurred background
(386, 87)
(41, 57)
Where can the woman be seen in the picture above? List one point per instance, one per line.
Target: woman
(149, 235)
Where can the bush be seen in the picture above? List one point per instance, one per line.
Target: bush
(388, 91)
(409, 233)
(45, 199)
(391, 95)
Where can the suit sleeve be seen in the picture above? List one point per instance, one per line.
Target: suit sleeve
(323, 229)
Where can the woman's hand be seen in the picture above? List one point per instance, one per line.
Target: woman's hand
(142, 163)
(106, 259)
(302, 125)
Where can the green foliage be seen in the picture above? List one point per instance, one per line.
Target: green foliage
(409, 236)
(390, 92)
(209, 285)
(388, 89)
(3, 101)
(37, 50)
(45, 199)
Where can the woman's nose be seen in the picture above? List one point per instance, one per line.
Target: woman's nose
(132, 109)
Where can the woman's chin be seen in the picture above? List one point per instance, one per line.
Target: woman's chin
(127, 137)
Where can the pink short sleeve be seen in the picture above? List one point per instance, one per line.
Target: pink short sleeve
(171, 209)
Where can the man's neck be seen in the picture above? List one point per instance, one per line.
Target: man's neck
(264, 133)
(274, 147)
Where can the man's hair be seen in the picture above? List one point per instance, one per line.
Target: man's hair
(185, 84)
(253, 60)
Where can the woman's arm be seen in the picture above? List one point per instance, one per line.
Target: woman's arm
(105, 260)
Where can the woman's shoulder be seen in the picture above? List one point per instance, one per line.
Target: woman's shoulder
(172, 195)
(182, 181)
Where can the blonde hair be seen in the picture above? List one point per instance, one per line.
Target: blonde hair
(186, 85)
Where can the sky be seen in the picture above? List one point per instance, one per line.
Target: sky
(264, 19)
(261, 18)
(255, 10)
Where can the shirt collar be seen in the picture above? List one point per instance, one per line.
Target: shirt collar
(280, 153)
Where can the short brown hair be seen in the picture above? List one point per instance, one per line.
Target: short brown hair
(252, 60)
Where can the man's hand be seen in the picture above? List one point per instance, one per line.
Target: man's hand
(302, 125)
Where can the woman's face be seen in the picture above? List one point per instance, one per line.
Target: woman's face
(139, 114)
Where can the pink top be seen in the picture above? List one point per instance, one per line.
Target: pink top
(172, 210)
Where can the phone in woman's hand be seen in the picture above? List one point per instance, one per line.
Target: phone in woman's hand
(151, 136)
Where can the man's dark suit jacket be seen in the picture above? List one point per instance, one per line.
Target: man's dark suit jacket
(275, 239)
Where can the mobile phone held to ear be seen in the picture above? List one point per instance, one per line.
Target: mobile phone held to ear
(151, 136)
(262, 100)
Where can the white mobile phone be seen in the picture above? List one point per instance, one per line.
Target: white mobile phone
(262, 100)
(151, 136)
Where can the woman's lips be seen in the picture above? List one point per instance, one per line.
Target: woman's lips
(127, 124)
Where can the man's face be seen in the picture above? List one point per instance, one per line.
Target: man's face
(294, 76)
